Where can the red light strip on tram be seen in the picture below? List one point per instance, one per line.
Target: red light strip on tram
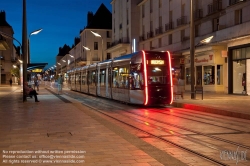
(146, 77)
(170, 74)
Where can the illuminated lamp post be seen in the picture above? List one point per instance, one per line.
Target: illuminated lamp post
(32, 33)
(192, 47)
(98, 35)
(88, 49)
(74, 62)
(61, 67)
(24, 48)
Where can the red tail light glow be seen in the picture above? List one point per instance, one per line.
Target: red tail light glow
(145, 77)
(170, 74)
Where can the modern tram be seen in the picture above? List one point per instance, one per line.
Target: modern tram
(143, 77)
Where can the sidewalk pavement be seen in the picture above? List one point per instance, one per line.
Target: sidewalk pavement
(58, 125)
(237, 106)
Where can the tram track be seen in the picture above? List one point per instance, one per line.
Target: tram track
(103, 106)
(212, 160)
(160, 111)
(208, 117)
(190, 130)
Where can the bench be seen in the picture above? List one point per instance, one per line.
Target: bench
(198, 89)
(29, 96)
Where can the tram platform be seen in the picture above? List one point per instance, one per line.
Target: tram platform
(237, 106)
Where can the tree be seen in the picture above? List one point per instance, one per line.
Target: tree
(15, 72)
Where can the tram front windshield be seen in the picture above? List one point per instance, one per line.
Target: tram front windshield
(157, 75)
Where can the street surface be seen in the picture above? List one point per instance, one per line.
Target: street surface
(107, 132)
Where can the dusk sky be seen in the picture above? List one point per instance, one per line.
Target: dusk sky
(61, 21)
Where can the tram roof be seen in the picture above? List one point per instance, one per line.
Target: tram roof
(125, 56)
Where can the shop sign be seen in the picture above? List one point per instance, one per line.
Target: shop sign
(37, 70)
(182, 61)
(224, 53)
(202, 59)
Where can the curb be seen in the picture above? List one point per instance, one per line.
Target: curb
(211, 110)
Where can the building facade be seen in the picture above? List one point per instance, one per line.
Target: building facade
(94, 40)
(125, 27)
(8, 53)
(221, 65)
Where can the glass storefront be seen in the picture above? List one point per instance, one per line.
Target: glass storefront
(241, 66)
(205, 75)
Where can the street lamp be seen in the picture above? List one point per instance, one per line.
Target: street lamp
(32, 33)
(61, 67)
(74, 60)
(88, 49)
(98, 35)
(192, 47)
(0, 70)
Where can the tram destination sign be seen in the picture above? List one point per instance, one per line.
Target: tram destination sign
(157, 62)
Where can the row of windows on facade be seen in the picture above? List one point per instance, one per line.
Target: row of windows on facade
(159, 30)
(216, 5)
(183, 37)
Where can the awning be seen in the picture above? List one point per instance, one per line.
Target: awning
(34, 66)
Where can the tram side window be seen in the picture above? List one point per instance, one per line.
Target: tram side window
(109, 77)
(123, 76)
(136, 81)
(89, 78)
(115, 77)
(77, 78)
(92, 78)
(120, 77)
(83, 79)
(102, 77)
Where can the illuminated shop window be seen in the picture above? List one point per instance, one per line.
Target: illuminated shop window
(209, 74)
(188, 76)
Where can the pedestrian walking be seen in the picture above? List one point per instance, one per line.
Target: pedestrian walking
(181, 86)
(59, 84)
(36, 83)
(10, 81)
(175, 86)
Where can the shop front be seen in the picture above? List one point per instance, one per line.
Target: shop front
(239, 70)
(210, 71)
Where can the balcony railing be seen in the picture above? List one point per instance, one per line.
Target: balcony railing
(95, 59)
(150, 34)
(124, 40)
(158, 31)
(215, 6)
(182, 20)
(232, 2)
(198, 14)
(142, 38)
(169, 26)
